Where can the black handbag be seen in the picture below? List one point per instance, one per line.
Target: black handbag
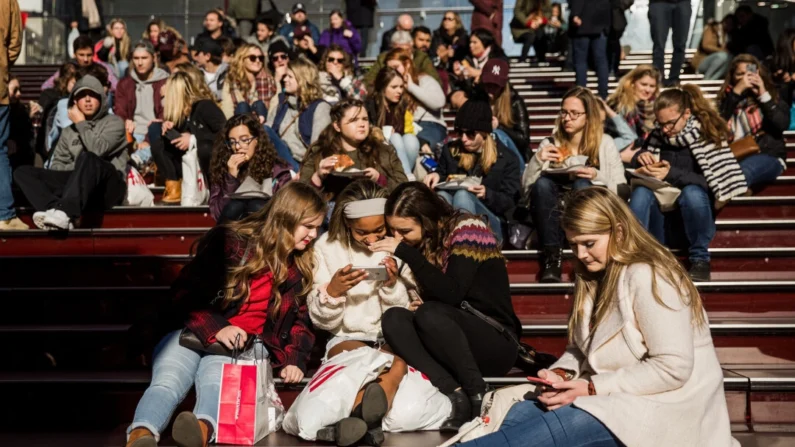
(528, 359)
(187, 339)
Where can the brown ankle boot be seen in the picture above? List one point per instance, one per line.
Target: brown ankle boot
(173, 192)
(188, 431)
(141, 437)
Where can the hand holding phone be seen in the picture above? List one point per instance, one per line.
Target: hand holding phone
(539, 381)
(377, 273)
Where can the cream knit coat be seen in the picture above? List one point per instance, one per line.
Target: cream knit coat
(359, 316)
(657, 378)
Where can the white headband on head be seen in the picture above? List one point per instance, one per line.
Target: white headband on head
(365, 208)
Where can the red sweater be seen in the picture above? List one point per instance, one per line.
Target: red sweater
(254, 312)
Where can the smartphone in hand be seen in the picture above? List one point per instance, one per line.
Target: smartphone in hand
(172, 134)
(377, 273)
(539, 381)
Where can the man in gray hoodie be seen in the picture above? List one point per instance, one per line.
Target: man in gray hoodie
(209, 57)
(88, 163)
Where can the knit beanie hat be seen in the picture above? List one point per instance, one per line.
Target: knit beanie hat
(475, 114)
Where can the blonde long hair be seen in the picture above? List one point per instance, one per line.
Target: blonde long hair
(123, 51)
(237, 76)
(181, 92)
(597, 210)
(269, 235)
(623, 100)
(501, 107)
(594, 129)
(466, 160)
(308, 79)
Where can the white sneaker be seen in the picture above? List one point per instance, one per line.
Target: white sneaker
(411, 177)
(38, 219)
(57, 220)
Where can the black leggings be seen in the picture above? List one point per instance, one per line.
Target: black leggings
(450, 345)
(168, 157)
(535, 39)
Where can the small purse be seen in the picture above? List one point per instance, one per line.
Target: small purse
(745, 147)
(187, 339)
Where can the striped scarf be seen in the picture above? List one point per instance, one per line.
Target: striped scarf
(720, 168)
(265, 89)
(746, 119)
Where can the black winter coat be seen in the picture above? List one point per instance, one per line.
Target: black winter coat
(520, 132)
(595, 16)
(361, 13)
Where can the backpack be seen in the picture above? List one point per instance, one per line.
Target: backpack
(305, 119)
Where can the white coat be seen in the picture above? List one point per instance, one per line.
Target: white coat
(657, 378)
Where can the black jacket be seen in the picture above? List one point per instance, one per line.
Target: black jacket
(361, 13)
(684, 167)
(775, 120)
(206, 120)
(386, 40)
(502, 183)
(595, 16)
(72, 11)
(520, 132)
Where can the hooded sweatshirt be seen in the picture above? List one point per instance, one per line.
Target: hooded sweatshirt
(102, 134)
(216, 80)
(145, 99)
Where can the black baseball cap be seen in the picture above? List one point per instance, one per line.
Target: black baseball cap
(299, 7)
(207, 45)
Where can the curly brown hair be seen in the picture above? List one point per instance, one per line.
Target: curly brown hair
(261, 165)
(347, 64)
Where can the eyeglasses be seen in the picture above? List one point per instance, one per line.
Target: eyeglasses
(449, 19)
(669, 124)
(573, 115)
(242, 142)
(334, 60)
(252, 58)
(280, 57)
(470, 134)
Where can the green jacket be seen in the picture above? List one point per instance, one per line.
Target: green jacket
(522, 11)
(242, 9)
(422, 63)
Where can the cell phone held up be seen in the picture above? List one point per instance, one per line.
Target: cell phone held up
(172, 134)
(752, 68)
(377, 273)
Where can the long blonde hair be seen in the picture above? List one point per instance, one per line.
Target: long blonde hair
(237, 76)
(594, 129)
(181, 92)
(308, 79)
(269, 236)
(597, 210)
(501, 107)
(123, 51)
(466, 160)
(623, 100)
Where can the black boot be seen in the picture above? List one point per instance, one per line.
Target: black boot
(700, 271)
(461, 414)
(552, 265)
(348, 431)
(372, 410)
(476, 402)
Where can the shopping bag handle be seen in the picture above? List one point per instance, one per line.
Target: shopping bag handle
(237, 352)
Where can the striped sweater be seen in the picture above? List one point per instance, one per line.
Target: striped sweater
(720, 168)
(473, 270)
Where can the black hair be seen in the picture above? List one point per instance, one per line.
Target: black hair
(744, 9)
(485, 37)
(337, 12)
(95, 70)
(217, 14)
(81, 42)
(420, 29)
(267, 21)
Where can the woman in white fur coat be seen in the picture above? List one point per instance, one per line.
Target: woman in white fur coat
(640, 368)
(346, 303)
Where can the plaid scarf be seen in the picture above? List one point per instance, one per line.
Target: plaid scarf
(746, 119)
(642, 118)
(720, 168)
(265, 89)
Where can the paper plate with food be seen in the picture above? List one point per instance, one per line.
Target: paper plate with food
(344, 167)
(567, 163)
(455, 182)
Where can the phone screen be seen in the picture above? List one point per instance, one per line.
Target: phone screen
(377, 273)
(752, 68)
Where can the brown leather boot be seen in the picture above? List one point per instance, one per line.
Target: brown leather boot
(173, 192)
(141, 437)
(188, 431)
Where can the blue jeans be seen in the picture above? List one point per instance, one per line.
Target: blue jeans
(664, 16)
(282, 150)
(7, 211)
(760, 169)
(121, 69)
(695, 210)
(175, 369)
(597, 45)
(243, 108)
(529, 423)
(545, 199)
(432, 133)
(465, 200)
(715, 66)
(144, 154)
(506, 141)
(407, 147)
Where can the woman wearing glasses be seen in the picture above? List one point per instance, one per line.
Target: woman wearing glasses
(688, 150)
(343, 34)
(578, 131)
(452, 35)
(478, 154)
(279, 56)
(337, 76)
(249, 86)
(244, 162)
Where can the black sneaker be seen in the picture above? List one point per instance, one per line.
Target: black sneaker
(700, 271)
(552, 265)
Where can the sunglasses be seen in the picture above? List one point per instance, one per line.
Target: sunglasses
(449, 19)
(253, 58)
(280, 57)
(470, 134)
(334, 60)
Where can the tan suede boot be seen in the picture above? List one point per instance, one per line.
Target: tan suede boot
(141, 437)
(188, 431)
(173, 192)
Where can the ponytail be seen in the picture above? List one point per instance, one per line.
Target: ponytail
(689, 96)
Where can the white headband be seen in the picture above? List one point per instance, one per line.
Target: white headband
(365, 208)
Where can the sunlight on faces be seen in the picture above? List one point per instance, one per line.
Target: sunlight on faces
(299, 16)
(422, 41)
(84, 56)
(143, 61)
(476, 45)
(394, 63)
(290, 83)
(154, 32)
(238, 134)
(644, 88)
(405, 229)
(394, 90)
(367, 230)
(672, 120)
(475, 143)
(336, 21)
(306, 231)
(280, 59)
(87, 102)
(739, 72)
(263, 32)
(118, 30)
(335, 58)
(211, 22)
(256, 65)
(354, 125)
(574, 106)
(590, 249)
